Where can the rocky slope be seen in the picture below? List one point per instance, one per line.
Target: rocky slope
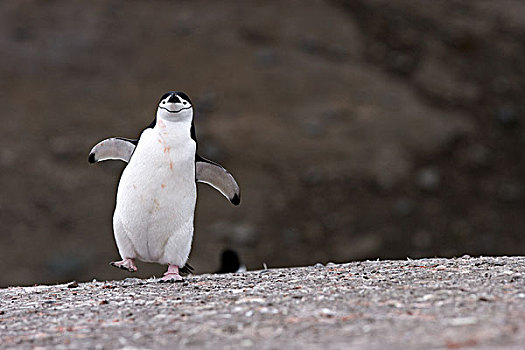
(474, 303)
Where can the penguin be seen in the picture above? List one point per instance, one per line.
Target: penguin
(154, 212)
(230, 262)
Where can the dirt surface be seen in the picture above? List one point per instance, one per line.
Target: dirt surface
(476, 303)
(356, 129)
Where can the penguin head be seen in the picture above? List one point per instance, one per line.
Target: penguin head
(175, 106)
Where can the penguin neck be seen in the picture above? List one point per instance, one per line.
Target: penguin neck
(174, 130)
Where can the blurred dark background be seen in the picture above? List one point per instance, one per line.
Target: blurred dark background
(356, 129)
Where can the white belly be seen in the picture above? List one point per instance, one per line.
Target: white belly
(153, 219)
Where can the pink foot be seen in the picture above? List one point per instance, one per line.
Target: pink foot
(172, 275)
(126, 264)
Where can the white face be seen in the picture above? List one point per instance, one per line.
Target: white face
(175, 108)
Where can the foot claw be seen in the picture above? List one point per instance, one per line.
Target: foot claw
(126, 264)
(171, 279)
(172, 275)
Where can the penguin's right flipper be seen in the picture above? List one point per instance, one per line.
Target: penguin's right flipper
(217, 177)
(117, 148)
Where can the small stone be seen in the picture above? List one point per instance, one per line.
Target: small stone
(402, 62)
(312, 176)
(266, 57)
(327, 312)
(428, 179)
(404, 206)
(246, 343)
(506, 116)
(310, 45)
(73, 284)
(476, 155)
(511, 192)
(463, 321)
(318, 266)
(395, 303)
(427, 297)
(313, 128)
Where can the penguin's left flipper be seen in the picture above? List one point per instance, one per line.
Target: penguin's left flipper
(217, 177)
(117, 148)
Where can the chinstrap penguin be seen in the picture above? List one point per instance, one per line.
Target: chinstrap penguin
(157, 192)
(230, 262)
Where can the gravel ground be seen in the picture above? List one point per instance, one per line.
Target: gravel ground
(413, 304)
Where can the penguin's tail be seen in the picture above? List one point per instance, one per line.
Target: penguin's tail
(186, 270)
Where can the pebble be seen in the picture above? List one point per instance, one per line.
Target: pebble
(463, 321)
(73, 284)
(428, 179)
(327, 312)
(404, 206)
(266, 57)
(506, 116)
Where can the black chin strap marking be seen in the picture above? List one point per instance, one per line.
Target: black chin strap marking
(164, 108)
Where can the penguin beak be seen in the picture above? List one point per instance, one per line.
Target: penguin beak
(174, 99)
